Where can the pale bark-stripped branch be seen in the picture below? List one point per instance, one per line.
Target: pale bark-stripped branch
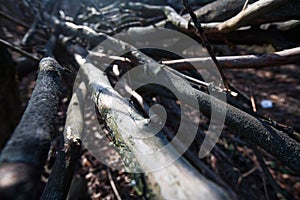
(125, 124)
(243, 18)
(113, 185)
(194, 160)
(289, 56)
(24, 156)
(62, 173)
(252, 11)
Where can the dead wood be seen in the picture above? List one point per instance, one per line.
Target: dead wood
(123, 120)
(62, 173)
(24, 155)
(289, 56)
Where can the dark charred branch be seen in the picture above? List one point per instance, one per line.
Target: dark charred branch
(25, 153)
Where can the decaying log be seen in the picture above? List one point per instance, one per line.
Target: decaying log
(23, 157)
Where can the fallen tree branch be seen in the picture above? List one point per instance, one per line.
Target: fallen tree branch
(62, 173)
(150, 10)
(23, 157)
(252, 15)
(14, 20)
(126, 125)
(113, 185)
(290, 56)
(219, 11)
(252, 11)
(233, 10)
(193, 159)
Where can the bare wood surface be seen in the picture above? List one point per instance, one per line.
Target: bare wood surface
(160, 182)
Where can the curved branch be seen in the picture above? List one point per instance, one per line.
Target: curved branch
(24, 155)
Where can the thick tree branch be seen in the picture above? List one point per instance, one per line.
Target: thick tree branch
(24, 155)
(126, 125)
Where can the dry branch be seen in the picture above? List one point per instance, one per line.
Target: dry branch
(290, 56)
(126, 125)
(252, 11)
(24, 155)
(219, 11)
(62, 173)
(150, 10)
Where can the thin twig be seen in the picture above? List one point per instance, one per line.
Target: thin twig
(245, 5)
(252, 100)
(279, 192)
(16, 21)
(112, 183)
(205, 43)
(289, 56)
(17, 49)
